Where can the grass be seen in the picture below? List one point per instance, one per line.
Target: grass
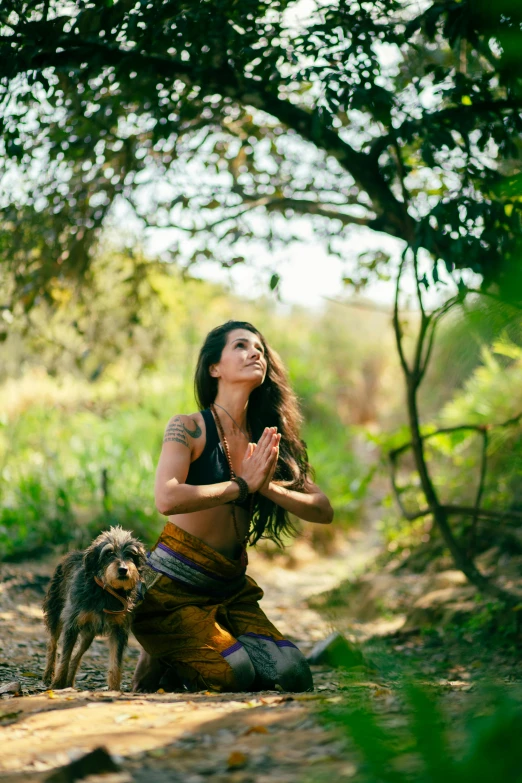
(69, 469)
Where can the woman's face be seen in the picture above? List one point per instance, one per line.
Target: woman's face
(242, 360)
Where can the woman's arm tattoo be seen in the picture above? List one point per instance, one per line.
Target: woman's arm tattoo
(196, 432)
(176, 431)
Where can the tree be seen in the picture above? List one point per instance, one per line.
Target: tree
(381, 114)
(377, 114)
(414, 370)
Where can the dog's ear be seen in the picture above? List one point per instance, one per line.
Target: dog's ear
(91, 560)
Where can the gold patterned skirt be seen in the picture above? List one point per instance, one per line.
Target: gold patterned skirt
(200, 615)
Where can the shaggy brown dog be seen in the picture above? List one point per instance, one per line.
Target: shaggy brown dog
(92, 593)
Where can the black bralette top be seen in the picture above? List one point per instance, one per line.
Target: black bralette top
(211, 467)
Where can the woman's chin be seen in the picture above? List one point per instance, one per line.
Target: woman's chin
(257, 379)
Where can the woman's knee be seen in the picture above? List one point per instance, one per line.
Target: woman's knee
(240, 667)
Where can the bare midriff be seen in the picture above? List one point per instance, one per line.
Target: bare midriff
(215, 527)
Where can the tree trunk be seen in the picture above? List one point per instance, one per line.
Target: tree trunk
(440, 516)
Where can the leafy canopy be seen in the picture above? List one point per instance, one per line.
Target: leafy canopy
(225, 119)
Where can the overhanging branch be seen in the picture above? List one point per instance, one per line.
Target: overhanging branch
(392, 216)
(461, 427)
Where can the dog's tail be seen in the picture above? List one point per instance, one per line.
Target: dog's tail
(56, 592)
(53, 601)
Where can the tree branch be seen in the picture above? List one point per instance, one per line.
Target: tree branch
(365, 171)
(301, 206)
(485, 513)
(396, 323)
(474, 427)
(480, 491)
(308, 207)
(392, 217)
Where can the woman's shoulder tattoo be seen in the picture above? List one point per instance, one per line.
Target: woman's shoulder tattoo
(178, 431)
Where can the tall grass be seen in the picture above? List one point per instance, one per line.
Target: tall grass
(67, 473)
(86, 394)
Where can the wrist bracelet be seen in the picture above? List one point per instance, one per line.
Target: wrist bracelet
(243, 489)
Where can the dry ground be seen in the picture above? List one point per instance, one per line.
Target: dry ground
(241, 738)
(173, 737)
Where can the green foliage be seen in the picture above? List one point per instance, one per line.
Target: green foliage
(206, 116)
(52, 484)
(476, 374)
(491, 395)
(459, 344)
(421, 748)
(117, 314)
(63, 427)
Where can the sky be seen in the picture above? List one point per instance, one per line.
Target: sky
(308, 273)
(310, 276)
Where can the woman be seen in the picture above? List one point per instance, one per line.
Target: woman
(227, 475)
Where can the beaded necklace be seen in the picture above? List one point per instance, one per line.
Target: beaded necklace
(242, 541)
(246, 434)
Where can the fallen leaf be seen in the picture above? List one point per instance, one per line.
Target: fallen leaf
(31, 674)
(160, 690)
(236, 760)
(256, 730)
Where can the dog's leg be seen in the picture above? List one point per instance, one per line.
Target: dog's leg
(86, 637)
(117, 643)
(53, 605)
(69, 640)
(52, 646)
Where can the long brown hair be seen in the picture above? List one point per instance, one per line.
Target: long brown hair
(272, 404)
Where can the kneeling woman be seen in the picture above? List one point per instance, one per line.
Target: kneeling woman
(227, 475)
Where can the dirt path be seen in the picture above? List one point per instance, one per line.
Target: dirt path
(232, 737)
(237, 738)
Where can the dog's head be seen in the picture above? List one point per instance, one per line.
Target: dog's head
(116, 557)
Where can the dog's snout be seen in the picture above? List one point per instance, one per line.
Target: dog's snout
(123, 570)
